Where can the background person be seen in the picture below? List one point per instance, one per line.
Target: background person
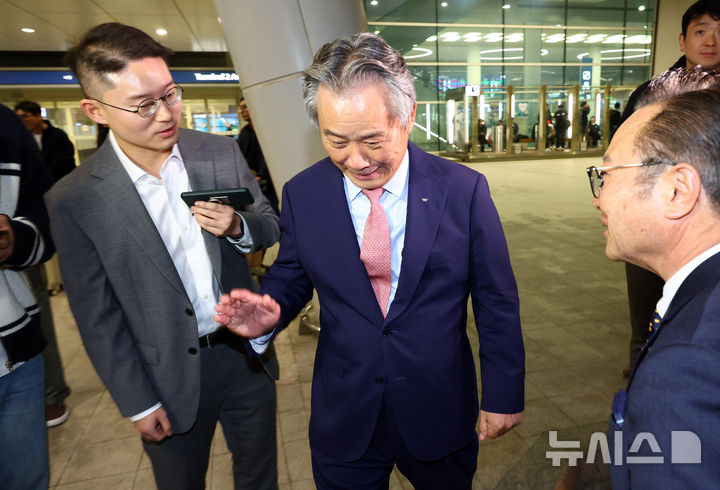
(58, 155)
(24, 241)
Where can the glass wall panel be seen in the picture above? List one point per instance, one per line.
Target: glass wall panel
(493, 44)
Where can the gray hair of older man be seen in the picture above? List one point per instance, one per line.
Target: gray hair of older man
(686, 129)
(349, 62)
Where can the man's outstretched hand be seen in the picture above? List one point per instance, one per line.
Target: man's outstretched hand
(246, 313)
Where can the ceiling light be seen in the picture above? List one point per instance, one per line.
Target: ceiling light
(423, 52)
(494, 37)
(472, 37)
(449, 37)
(28, 29)
(638, 39)
(515, 37)
(623, 56)
(161, 32)
(444, 4)
(595, 38)
(506, 6)
(641, 8)
(555, 38)
(544, 52)
(495, 58)
(575, 38)
(374, 2)
(431, 39)
(616, 39)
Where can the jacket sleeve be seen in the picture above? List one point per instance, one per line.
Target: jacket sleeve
(30, 222)
(495, 304)
(94, 303)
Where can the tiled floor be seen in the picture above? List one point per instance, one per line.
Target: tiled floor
(574, 312)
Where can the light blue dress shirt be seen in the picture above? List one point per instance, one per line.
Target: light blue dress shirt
(394, 203)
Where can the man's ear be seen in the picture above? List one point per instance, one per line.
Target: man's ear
(684, 187)
(411, 120)
(681, 42)
(92, 109)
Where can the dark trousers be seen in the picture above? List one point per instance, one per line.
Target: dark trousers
(644, 291)
(452, 472)
(56, 388)
(236, 391)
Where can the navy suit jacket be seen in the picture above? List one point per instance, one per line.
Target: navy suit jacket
(675, 386)
(419, 356)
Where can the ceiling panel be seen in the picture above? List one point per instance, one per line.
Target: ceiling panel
(192, 25)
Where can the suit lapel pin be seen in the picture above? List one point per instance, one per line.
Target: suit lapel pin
(424, 199)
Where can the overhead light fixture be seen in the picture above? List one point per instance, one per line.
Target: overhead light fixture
(506, 6)
(641, 8)
(161, 32)
(28, 30)
(422, 53)
(431, 39)
(444, 4)
(374, 2)
(642, 53)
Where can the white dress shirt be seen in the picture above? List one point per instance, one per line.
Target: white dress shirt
(182, 237)
(673, 284)
(394, 203)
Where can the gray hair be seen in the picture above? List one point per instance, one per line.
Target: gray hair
(678, 81)
(348, 62)
(686, 129)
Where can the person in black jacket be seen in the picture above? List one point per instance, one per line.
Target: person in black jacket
(57, 150)
(250, 148)
(24, 241)
(561, 125)
(699, 40)
(59, 157)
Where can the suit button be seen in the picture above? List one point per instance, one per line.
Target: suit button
(192, 350)
(386, 332)
(379, 380)
(188, 312)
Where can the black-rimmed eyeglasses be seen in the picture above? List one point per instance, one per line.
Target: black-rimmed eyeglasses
(148, 107)
(595, 174)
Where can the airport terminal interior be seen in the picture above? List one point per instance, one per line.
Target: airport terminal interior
(509, 63)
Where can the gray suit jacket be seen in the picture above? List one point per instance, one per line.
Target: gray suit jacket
(134, 316)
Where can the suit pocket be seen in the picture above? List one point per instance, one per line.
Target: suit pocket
(149, 353)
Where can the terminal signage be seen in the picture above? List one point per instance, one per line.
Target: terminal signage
(65, 77)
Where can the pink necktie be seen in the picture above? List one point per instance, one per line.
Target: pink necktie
(375, 252)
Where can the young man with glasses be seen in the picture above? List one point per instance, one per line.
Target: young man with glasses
(143, 271)
(658, 193)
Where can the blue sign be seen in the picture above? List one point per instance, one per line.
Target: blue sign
(586, 75)
(65, 77)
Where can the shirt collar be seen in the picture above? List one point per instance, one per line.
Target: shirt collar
(673, 284)
(395, 186)
(135, 172)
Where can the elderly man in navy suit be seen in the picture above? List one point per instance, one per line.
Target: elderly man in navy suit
(394, 240)
(659, 197)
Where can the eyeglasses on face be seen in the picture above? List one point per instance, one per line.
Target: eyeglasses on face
(596, 174)
(148, 107)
